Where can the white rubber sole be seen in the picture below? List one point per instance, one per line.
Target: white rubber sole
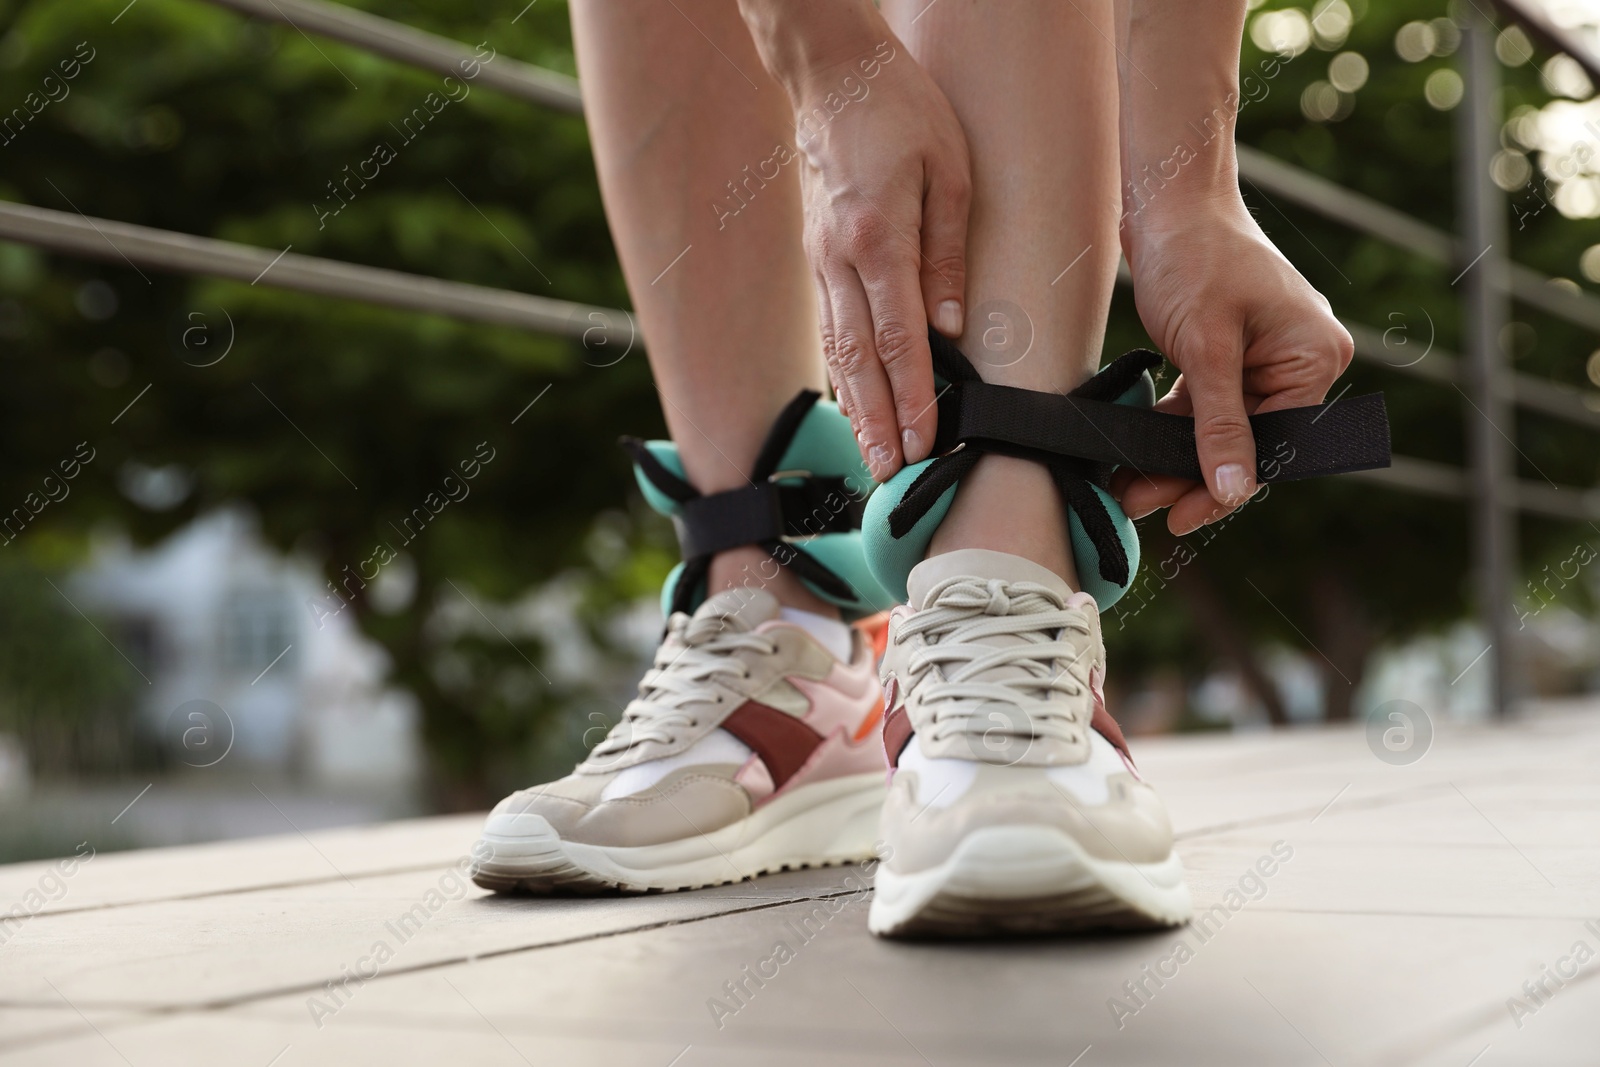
(1027, 880)
(820, 825)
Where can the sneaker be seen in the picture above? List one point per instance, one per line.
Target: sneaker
(1014, 806)
(750, 748)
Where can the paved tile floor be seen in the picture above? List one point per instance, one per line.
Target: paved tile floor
(1402, 910)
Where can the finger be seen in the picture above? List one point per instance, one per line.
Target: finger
(1214, 379)
(945, 202)
(1194, 509)
(1303, 377)
(825, 321)
(1177, 400)
(900, 336)
(1195, 506)
(853, 361)
(1141, 493)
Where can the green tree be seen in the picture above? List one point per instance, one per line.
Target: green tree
(1334, 567)
(64, 692)
(336, 421)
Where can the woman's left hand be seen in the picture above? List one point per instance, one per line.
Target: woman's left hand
(1249, 335)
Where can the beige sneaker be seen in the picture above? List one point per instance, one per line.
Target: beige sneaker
(750, 748)
(1014, 805)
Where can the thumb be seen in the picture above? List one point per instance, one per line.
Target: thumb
(1227, 448)
(944, 245)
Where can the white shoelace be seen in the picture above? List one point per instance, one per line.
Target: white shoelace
(955, 693)
(696, 650)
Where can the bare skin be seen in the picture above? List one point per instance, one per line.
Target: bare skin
(881, 204)
(1252, 336)
(953, 177)
(1248, 332)
(732, 325)
(1042, 238)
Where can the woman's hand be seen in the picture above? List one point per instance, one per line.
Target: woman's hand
(885, 183)
(885, 186)
(1248, 333)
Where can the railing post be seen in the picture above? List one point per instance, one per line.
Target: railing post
(1485, 311)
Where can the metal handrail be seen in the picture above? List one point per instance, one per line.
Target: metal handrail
(418, 48)
(1440, 365)
(1537, 26)
(144, 246)
(164, 250)
(551, 89)
(1491, 280)
(1362, 213)
(1414, 475)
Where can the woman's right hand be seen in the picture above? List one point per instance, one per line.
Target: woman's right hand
(885, 182)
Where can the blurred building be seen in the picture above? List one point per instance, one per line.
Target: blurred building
(240, 673)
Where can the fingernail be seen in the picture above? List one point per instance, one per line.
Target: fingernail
(879, 459)
(948, 318)
(1137, 515)
(911, 444)
(1234, 484)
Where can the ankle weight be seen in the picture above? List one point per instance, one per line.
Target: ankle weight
(1082, 437)
(803, 505)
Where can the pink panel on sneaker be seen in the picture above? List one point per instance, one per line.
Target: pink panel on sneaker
(896, 734)
(783, 741)
(841, 701)
(1102, 723)
(835, 757)
(756, 779)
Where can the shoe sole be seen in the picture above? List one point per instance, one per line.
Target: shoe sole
(1011, 880)
(825, 824)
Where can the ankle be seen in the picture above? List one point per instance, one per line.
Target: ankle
(752, 568)
(1010, 505)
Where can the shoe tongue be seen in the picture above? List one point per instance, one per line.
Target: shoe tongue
(981, 563)
(733, 611)
(934, 574)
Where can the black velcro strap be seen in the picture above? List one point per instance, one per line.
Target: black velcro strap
(1084, 436)
(777, 507)
(817, 505)
(720, 521)
(1350, 434)
(769, 511)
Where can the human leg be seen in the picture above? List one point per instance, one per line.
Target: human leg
(1035, 88)
(685, 124)
(1015, 805)
(750, 744)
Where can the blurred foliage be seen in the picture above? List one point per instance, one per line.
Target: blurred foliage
(194, 119)
(1391, 564)
(64, 692)
(335, 420)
